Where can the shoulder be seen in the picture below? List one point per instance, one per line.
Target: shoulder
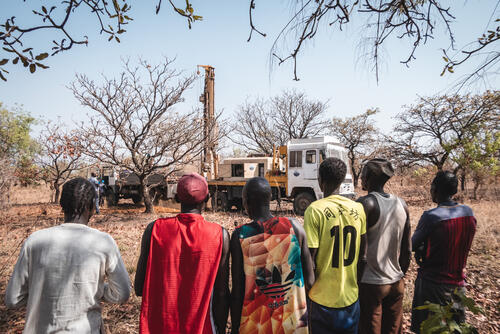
(401, 202)
(467, 210)
(316, 206)
(102, 236)
(247, 230)
(368, 201)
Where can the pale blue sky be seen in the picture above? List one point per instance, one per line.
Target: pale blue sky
(329, 67)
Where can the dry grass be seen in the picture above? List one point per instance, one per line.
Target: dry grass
(126, 224)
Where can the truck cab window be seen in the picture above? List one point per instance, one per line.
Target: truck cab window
(322, 156)
(237, 170)
(295, 158)
(311, 157)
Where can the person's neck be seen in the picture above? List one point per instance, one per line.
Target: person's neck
(190, 209)
(444, 200)
(260, 214)
(83, 220)
(377, 188)
(330, 191)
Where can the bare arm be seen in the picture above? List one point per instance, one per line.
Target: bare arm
(314, 253)
(221, 287)
(238, 282)
(140, 273)
(405, 253)
(362, 257)
(372, 209)
(307, 263)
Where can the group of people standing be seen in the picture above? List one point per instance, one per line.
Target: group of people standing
(341, 272)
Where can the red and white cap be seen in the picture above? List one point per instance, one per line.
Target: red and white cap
(192, 189)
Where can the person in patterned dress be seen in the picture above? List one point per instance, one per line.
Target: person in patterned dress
(271, 268)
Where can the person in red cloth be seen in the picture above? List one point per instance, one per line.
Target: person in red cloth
(183, 270)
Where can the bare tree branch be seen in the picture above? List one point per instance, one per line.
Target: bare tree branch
(135, 126)
(263, 123)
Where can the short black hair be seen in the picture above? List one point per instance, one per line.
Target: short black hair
(258, 190)
(93, 174)
(333, 171)
(446, 183)
(77, 195)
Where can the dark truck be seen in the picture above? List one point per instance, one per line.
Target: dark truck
(125, 184)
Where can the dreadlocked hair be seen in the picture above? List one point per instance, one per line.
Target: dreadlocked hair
(77, 195)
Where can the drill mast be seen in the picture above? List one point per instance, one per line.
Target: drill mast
(209, 154)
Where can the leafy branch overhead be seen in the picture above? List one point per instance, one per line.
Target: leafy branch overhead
(111, 17)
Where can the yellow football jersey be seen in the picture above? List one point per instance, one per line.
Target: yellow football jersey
(334, 225)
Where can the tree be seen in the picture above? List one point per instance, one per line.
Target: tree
(16, 145)
(480, 156)
(110, 19)
(135, 126)
(413, 21)
(358, 134)
(436, 127)
(263, 123)
(60, 156)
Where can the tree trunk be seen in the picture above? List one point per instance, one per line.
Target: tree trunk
(145, 195)
(57, 192)
(477, 183)
(462, 181)
(355, 177)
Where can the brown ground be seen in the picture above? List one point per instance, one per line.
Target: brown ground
(126, 224)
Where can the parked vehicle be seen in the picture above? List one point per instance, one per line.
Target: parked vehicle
(292, 172)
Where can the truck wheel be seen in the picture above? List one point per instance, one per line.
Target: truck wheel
(221, 204)
(111, 199)
(136, 199)
(238, 203)
(301, 202)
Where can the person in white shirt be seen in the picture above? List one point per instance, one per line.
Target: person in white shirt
(61, 270)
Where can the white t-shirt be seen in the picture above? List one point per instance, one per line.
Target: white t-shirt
(60, 275)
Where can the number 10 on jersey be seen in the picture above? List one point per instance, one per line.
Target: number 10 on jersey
(347, 231)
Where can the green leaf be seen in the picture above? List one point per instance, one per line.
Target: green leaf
(180, 11)
(42, 56)
(121, 31)
(32, 68)
(110, 38)
(197, 18)
(117, 39)
(3, 61)
(445, 59)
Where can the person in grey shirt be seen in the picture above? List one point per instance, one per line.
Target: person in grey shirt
(388, 257)
(61, 270)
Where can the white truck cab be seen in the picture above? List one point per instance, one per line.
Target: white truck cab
(304, 157)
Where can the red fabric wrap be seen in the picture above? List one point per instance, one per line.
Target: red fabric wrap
(182, 265)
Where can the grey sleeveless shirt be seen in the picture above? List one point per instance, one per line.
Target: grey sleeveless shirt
(384, 242)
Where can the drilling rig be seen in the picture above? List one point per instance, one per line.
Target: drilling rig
(209, 159)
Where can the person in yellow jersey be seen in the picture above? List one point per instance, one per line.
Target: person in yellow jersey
(336, 235)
